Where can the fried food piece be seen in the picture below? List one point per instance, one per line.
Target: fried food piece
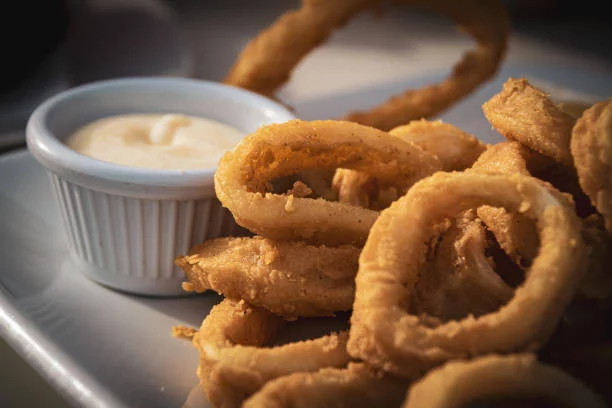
(459, 279)
(517, 377)
(268, 60)
(234, 363)
(290, 279)
(356, 188)
(362, 190)
(563, 178)
(183, 332)
(513, 157)
(456, 149)
(299, 189)
(503, 158)
(384, 334)
(242, 179)
(313, 183)
(591, 149)
(355, 385)
(524, 113)
(516, 235)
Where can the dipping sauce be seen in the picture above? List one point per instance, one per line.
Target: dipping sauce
(171, 142)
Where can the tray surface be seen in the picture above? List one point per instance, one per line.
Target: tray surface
(99, 347)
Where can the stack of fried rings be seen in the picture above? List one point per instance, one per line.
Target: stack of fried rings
(457, 259)
(384, 266)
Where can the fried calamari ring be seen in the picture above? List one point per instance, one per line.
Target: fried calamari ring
(358, 189)
(454, 148)
(459, 279)
(518, 377)
(354, 386)
(591, 148)
(516, 235)
(524, 113)
(503, 158)
(267, 61)
(233, 362)
(290, 279)
(242, 179)
(385, 335)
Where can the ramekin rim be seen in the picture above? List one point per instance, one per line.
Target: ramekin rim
(54, 154)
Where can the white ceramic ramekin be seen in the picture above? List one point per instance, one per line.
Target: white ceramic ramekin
(126, 225)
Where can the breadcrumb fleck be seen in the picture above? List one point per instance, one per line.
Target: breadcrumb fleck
(183, 332)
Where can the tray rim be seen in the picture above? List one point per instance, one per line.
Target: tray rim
(59, 370)
(62, 372)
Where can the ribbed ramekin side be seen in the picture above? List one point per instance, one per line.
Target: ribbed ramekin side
(136, 240)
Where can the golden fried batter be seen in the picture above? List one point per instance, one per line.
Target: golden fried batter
(524, 113)
(291, 279)
(514, 376)
(234, 362)
(516, 235)
(354, 386)
(383, 331)
(454, 149)
(267, 61)
(243, 177)
(459, 280)
(591, 148)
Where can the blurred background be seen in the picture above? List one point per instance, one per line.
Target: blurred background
(52, 45)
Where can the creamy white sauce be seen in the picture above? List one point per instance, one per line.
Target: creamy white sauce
(172, 141)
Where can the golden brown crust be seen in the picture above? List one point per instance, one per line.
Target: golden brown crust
(267, 61)
(354, 386)
(524, 113)
(355, 188)
(291, 279)
(459, 280)
(456, 149)
(385, 335)
(486, 21)
(234, 362)
(459, 383)
(242, 179)
(515, 234)
(591, 148)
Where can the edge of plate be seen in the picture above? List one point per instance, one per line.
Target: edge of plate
(51, 363)
(47, 360)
